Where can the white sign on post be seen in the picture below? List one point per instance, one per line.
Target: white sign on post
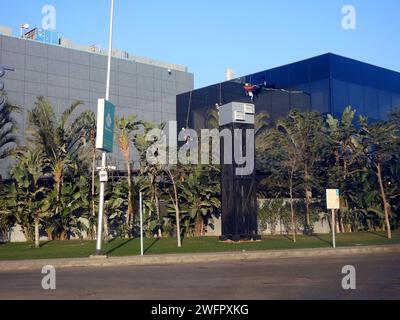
(333, 203)
(332, 199)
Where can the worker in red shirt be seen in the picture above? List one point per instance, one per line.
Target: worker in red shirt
(250, 90)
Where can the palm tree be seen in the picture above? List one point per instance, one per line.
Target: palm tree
(8, 127)
(213, 118)
(88, 119)
(150, 173)
(378, 143)
(282, 145)
(304, 129)
(341, 136)
(125, 127)
(26, 199)
(35, 163)
(261, 122)
(172, 175)
(60, 139)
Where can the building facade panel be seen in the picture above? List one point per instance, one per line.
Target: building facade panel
(63, 75)
(327, 84)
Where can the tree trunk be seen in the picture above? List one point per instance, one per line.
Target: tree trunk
(342, 228)
(307, 194)
(58, 191)
(105, 226)
(49, 234)
(63, 235)
(58, 178)
(346, 202)
(199, 225)
(386, 205)
(291, 207)
(129, 217)
(93, 226)
(177, 212)
(159, 231)
(37, 236)
(202, 232)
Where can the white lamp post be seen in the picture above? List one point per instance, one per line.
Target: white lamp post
(104, 154)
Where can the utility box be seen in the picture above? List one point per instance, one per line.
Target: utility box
(238, 181)
(236, 112)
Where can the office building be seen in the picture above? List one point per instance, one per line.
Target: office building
(327, 84)
(63, 72)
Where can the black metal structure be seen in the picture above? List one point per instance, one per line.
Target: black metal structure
(239, 200)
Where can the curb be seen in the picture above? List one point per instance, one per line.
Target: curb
(170, 259)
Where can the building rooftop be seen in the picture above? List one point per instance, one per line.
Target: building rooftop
(95, 49)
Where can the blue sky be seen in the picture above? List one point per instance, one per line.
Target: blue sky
(210, 35)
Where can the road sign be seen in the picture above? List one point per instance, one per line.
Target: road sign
(333, 203)
(105, 126)
(332, 199)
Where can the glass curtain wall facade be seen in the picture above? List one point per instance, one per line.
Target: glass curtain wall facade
(327, 84)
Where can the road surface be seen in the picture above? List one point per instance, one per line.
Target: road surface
(377, 277)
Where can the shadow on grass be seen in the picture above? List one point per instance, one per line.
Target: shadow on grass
(288, 237)
(151, 245)
(43, 244)
(111, 240)
(119, 246)
(377, 234)
(323, 240)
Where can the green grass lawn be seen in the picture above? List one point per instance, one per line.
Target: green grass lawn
(121, 247)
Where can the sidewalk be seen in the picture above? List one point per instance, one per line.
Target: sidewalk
(191, 258)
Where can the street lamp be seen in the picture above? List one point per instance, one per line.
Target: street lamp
(104, 154)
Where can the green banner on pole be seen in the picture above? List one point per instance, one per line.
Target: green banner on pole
(105, 126)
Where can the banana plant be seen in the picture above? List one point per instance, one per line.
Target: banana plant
(116, 206)
(73, 204)
(199, 198)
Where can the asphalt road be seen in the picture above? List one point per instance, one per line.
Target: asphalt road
(377, 277)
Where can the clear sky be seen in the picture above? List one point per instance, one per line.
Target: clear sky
(209, 36)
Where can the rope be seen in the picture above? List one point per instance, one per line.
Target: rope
(189, 107)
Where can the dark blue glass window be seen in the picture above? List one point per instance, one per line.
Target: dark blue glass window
(356, 96)
(385, 104)
(371, 103)
(320, 96)
(340, 97)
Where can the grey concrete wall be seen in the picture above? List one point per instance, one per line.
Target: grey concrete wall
(63, 75)
(321, 226)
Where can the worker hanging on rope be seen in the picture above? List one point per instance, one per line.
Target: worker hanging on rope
(252, 91)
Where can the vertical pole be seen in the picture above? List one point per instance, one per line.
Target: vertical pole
(141, 224)
(333, 229)
(101, 210)
(110, 39)
(103, 158)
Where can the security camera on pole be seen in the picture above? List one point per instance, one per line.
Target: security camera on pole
(105, 136)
